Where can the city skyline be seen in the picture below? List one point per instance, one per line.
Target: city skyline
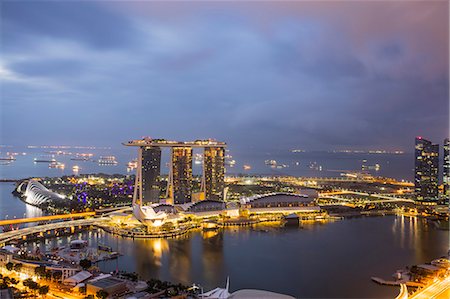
(292, 73)
(228, 149)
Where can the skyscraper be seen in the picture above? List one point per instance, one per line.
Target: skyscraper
(446, 172)
(214, 172)
(181, 174)
(151, 170)
(426, 169)
(179, 183)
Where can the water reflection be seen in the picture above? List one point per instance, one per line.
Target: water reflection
(344, 254)
(180, 258)
(417, 235)
(31, 211)
(212, 257)
(158, 247)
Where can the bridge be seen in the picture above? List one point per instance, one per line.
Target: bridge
(46, 218)
(318, 180)
(20, 233)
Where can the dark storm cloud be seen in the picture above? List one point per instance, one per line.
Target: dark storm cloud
(26, 23)
(300, 74)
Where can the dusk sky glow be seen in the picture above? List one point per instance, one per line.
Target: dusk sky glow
(312, 75)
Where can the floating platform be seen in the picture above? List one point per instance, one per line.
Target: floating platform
(397, 282)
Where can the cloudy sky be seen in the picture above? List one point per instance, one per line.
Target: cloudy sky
(313, 75)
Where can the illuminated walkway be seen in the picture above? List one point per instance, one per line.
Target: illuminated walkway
(438, 290)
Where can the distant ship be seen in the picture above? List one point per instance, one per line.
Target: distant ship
(80, 159)
(198, 159)
(272, 163)
(107, 160)
(75, 168)
(56, 164)
(229, 161)
(315, 166)
(10, 158)
(132, 165)
(247, 167)
(279, 166)
(43, 160)
(375, 167)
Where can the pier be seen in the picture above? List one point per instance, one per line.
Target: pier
(397, 282)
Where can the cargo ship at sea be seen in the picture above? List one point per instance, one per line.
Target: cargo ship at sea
(9, 158)
(56, 164)
(107, 160)
(82, 157)
(44, 160)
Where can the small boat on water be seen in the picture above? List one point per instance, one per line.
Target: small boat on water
(104, 248)
(9, 158)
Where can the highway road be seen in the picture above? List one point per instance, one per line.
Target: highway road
(403, 292)
(46, 218)
(438, 290)
(15, 234)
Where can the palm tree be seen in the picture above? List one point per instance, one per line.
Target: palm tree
(85, 264)
(43, 290)
(18, 267)
(101, 294)
(32, 285)
(57, 275)
(9, 266)
(40, 271)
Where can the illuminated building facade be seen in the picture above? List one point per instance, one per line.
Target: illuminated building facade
(426, 170)
(179, 185)
(214, 172)
(180, 178)
(446, 172)
(151, 171)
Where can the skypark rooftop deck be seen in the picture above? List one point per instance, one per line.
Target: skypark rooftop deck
(171, 143)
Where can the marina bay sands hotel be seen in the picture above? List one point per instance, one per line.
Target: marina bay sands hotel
(179, 182)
